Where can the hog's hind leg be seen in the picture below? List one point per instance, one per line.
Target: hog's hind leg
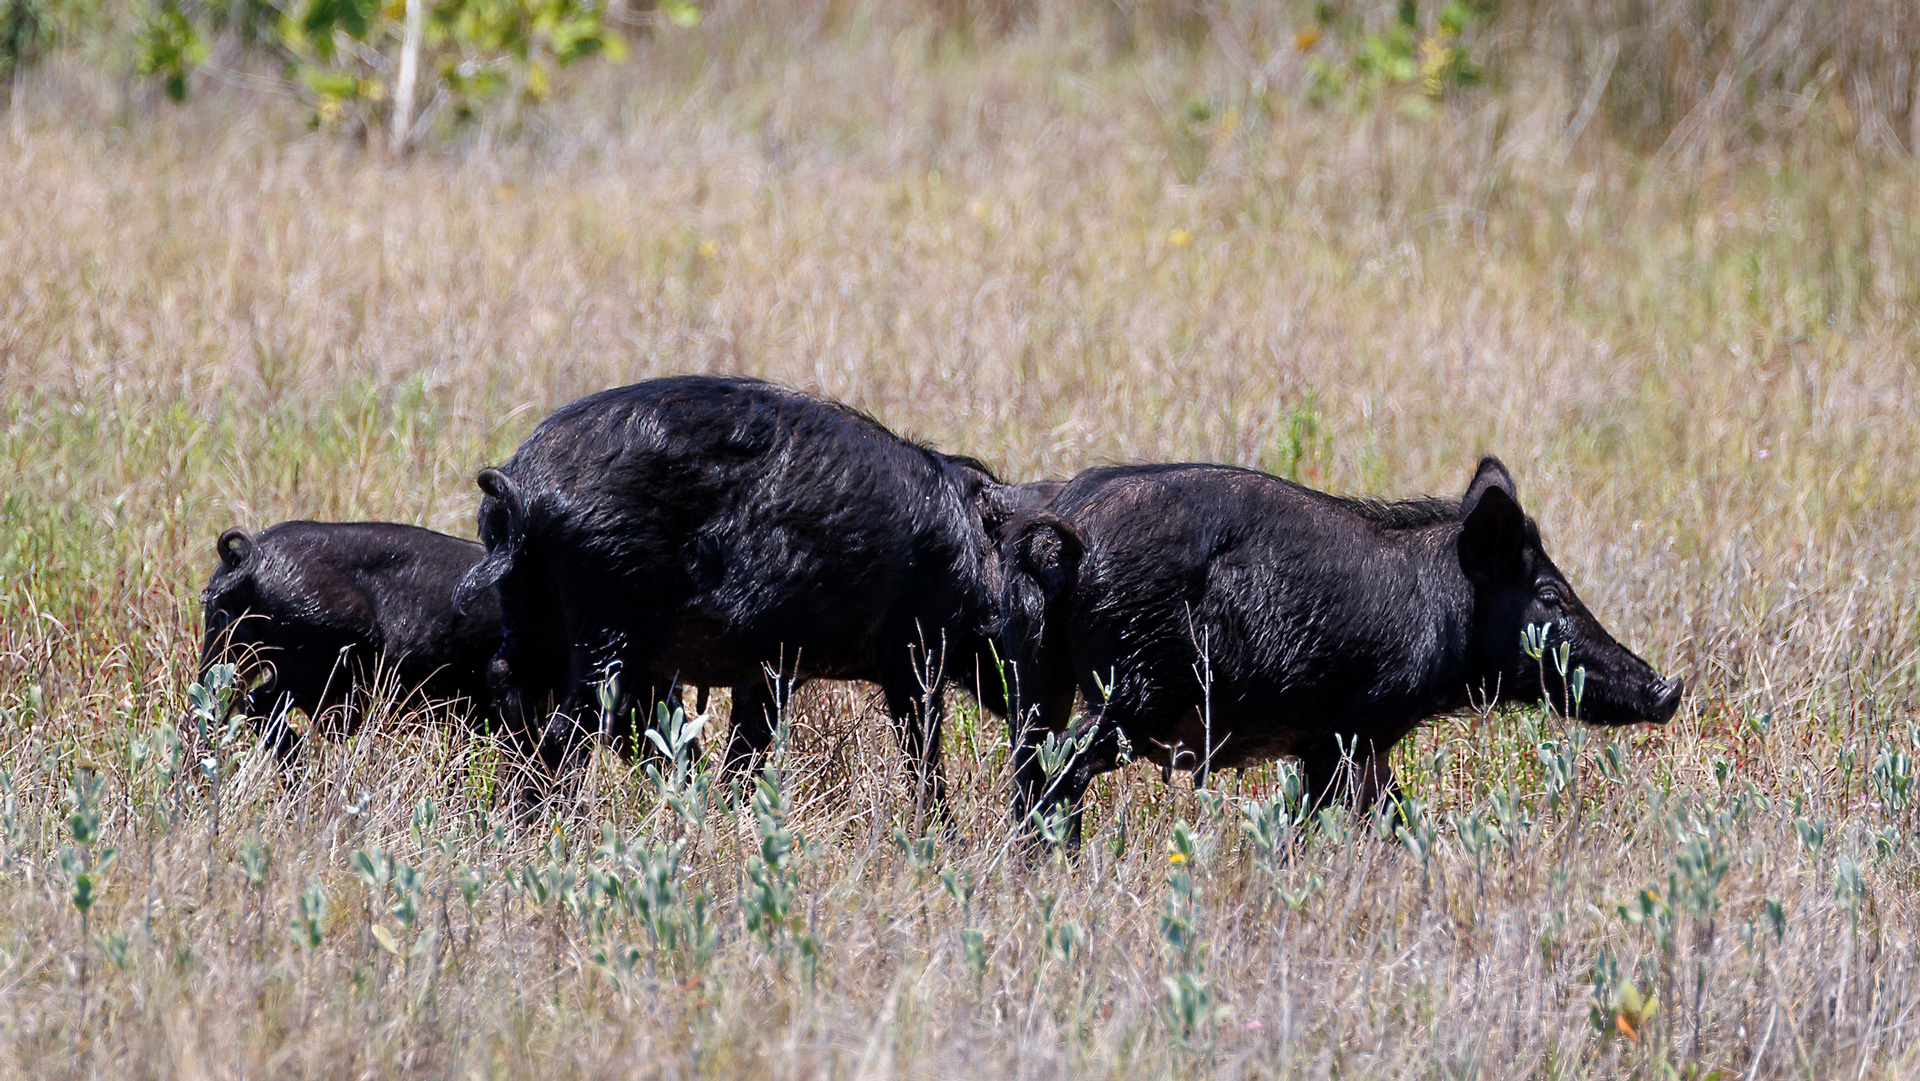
(1353, 770)
(750, 729)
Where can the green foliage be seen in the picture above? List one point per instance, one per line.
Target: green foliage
(12, 829)
(973, 942)
(256, 859)
(1303, 451)
(171, 46)
(643, 879)
(959, 884)
(343, 54)
(1557, 768)
(1812, 834)
(26, 30)
(1063, 938)
(310, 917)
(1190, 1012)
(770, 902)
(223, 737)
(1618, 1006)
(1415, 830)
(1272, 824)
(1891, 779)
(1700, 866)
(1052, 821)
(323, 26)
(344, 51)
(684, 14)
(686, 782)
(86, 859)
(1412, 66)
(1849, 886)
(1477, 836)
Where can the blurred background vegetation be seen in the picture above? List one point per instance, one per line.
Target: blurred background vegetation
(1669, 76)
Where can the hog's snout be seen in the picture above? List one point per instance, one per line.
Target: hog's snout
(1666, 699)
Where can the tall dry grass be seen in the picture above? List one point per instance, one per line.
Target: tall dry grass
(1050, 245)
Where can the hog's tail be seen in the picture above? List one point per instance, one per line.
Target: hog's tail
(234, 546)
(503, 529)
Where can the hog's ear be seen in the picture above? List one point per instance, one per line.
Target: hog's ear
(1490, 473)
(994, 504)
(234, 546)
(1493, 532)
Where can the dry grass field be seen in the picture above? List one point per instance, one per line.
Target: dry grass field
(1054, 245)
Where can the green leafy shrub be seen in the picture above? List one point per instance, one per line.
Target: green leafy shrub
(1401, 61)
(345, 57)
(171, 46)
(25, 32)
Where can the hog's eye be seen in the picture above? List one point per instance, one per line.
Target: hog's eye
(1549, 593)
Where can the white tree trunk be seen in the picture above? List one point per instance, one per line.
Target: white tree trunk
(409, 77)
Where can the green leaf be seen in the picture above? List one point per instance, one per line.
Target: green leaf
(171, 47)
(387, 941)
(329, 84)
(681, 13)
(352, 17)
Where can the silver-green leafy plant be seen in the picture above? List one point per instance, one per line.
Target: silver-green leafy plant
(1477, 836)
(1272, 826)
(310, 917)
(677, 920)
(959, 884)
(86, 859)
(1052, 820)
(770, 901)
(1890, 779)
(222, 740)
(392, 886)
(256, 864)
(973, 945)
(1849, 887)
(1415, 831)
(683, 786)
(1064, 939)
(12, 829)
(1189, 997)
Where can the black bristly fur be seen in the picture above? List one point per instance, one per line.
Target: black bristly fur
(703, 530)
(313, 611)
(1328, 627)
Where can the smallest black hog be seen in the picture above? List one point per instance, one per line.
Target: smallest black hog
(312, 612)
(1214, 616)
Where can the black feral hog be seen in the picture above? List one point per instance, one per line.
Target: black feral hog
(1215, 616)
(313, 611)
(707, 530)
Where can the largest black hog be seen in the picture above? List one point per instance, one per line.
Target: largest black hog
(1216, 616)
(707, 530)
(315, 611)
